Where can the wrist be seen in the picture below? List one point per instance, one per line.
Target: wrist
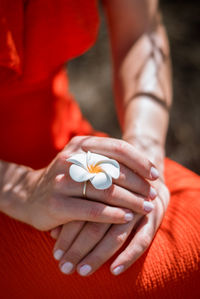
(16, 185)
(150, 147)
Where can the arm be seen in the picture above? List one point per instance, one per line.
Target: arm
(48, 197)
(142, 85)
(142, 74)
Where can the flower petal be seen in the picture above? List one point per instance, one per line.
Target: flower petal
(101, 181)
(94, 159)
(110, 161)
(78, 159)
(110, 169)
(79, 174)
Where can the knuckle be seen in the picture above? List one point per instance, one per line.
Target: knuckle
(120, 147)
(76, 142)
(108, 194)
(118, 237)
(95, 211)
(145, 242)
(57, 181)
(74, 255)
(95, 229)
(61, 157)
(53, 206)
(75, 139)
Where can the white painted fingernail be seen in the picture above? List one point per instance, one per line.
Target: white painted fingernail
(67, 267)
(148, 206)
(118, 270)
(152, 193)
(154, 173)
(58, 254)
(129, 216)
(84, 270)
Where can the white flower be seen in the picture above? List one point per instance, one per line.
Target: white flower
(94, 167)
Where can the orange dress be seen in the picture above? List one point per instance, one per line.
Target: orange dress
(38, 116)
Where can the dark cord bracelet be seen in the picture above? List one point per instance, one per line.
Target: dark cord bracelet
(152, 97)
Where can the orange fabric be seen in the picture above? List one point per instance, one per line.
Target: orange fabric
(38, 117)
(169, 269)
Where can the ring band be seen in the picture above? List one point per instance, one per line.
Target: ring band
(84, 189)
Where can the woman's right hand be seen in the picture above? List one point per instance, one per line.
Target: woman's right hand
(49, 197)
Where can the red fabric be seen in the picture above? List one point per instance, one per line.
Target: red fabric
(169, 269)
(38, 117)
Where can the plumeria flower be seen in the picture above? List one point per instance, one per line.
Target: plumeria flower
(94, 167)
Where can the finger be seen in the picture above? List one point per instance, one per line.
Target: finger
(90, 235)
(123, 152)
(67, 235)
(55, 232)
(113, 240)
(63, 210)
(114, 196)
(144, 233)
(135, 183)
(139, 244)
(127, 179)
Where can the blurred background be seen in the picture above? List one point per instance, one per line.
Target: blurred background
(91, 82)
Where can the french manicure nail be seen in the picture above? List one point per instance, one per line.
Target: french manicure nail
(129, 216)
(154, 173)
(67, 267)
(58, 254)
(148, 206)
(84, 270)
(118, 270)
(152, 193)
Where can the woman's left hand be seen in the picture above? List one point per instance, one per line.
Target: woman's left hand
(87, 246)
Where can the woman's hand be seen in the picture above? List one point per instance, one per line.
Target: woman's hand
(87, 246)
(91, 233)
(49, 197)
(75, 246)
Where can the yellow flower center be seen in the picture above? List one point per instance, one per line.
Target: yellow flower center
(94, 168)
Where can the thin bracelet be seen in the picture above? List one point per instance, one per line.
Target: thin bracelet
(151, 96)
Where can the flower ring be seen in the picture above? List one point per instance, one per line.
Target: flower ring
(97, 168)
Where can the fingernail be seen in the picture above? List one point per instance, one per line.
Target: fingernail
(58, 254)
(152, 193)
(118, 270)
(129, 216)
(67, 267)
(84, 270)
(148, 206)
(154, 173)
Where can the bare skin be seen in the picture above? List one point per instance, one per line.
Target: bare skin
(142, 85)
(48, 197)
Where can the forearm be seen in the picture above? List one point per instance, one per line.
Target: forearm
(142, 80)
(144, 91)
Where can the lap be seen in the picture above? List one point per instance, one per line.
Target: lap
(169, 269)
